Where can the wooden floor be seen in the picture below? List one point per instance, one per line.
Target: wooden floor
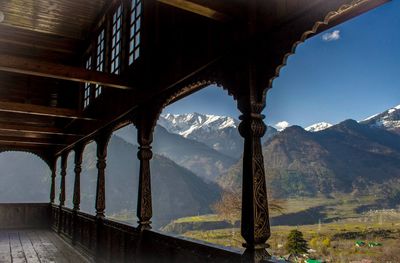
(33, 246)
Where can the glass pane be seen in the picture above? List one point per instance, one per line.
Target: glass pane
(138, 22)
(138, 9)
(137, 53)
(137, 39)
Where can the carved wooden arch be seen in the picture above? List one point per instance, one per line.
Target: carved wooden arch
(102, 140)
(186, 90)
(316, 29)
(46, 159)
(121, 124)
(253, 69)
(85, 144)
(66, 153)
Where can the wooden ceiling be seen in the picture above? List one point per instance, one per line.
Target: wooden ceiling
(65, 18)
(42, 43)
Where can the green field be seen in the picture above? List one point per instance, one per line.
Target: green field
(332, 236)
(334, 242)
(337, 223)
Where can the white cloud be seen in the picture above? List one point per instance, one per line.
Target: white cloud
(331, 36)
(282, 125)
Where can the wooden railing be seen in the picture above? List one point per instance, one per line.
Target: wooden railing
(110, 241)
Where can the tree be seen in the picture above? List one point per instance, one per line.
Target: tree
(296, 244)
(326, 242)
(314, 242)
(230, 206)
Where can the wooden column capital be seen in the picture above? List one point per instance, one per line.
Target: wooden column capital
(252, 125)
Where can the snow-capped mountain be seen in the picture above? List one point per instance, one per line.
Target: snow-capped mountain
(187, 124)
(195, 156)
(389, 120)
(320, 126)
(218, 132)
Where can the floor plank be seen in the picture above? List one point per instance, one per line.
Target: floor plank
(30, 253)
(67, 250)
(36, 246)
(17, 252)
(44, 255)
(5, 249)
(57, 251)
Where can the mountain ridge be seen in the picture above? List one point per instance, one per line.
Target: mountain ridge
(389, 120)
(319, 126)
(191, 154)
(348, 157)
(217, 132)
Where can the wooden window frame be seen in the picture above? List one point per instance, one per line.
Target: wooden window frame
(100, 57)
(135, 26)
(116, 40)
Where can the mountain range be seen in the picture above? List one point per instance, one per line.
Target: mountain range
(389, 120)
(195, 156)
(218, 132)
(350, 157)
(176, 191)
(23, 178)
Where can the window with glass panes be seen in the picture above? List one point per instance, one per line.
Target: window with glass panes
(86, 97)
(134, 36)
(100, 58)
(116, 41)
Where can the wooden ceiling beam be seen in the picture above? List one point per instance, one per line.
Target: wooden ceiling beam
(33, 129)
(38, 141)
(22, 37)
(27, 135)
(34, 67)
(6, 143)
(196, 9)
(32, 109)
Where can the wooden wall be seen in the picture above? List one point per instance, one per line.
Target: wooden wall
(24, 216)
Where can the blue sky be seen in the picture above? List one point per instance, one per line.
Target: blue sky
(350, 71)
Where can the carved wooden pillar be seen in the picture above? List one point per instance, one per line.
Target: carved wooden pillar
(63, 174)
(101, 168)
(77, 191)
(77, 182)
(145, 127)
(255, 227)
(144, 208)
(53, 181)
(102, 142)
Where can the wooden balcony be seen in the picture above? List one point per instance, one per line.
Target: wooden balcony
(46, 233)
(57, 56)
